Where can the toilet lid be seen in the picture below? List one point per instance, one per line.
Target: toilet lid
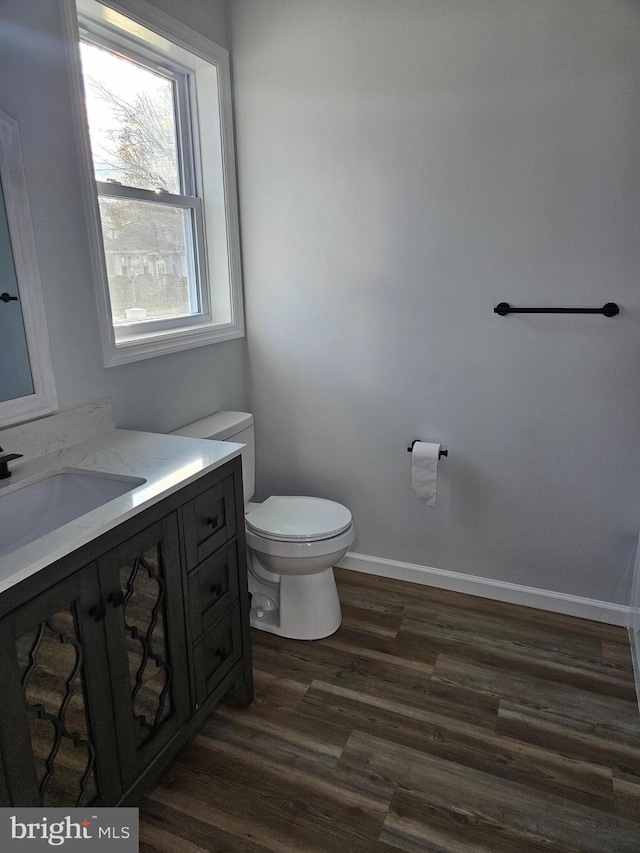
(298, 519)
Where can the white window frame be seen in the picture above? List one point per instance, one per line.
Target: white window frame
(154, 32)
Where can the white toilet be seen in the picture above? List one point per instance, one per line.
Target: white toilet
(293, 543)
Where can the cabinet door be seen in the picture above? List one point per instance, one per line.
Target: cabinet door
(56, 724)
(142, 587)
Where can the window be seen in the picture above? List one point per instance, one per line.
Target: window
(153, 99)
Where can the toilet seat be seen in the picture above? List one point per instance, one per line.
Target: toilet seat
(298, 519)
(300, 557)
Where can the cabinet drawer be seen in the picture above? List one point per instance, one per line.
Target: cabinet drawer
(209, 521)
(216, 653)
(213, 587)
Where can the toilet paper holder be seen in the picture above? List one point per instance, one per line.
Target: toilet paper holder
(443, 450)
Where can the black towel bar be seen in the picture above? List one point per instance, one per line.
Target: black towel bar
(608, 310)
(443, 450)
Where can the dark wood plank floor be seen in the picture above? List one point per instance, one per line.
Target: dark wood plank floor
(432, 722)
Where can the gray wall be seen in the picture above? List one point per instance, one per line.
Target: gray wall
(157, 394)
(404, 166)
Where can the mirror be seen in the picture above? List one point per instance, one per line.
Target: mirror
(27, 384)
(15, 376)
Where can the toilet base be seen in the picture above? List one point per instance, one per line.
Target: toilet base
(307, 606)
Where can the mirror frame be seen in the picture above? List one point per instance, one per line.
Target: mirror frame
(14, 186)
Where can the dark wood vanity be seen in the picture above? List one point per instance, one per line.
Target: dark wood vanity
(113, 656)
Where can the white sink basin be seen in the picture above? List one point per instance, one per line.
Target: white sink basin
(30, 510)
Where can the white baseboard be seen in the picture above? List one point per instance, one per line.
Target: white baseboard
(528, 596)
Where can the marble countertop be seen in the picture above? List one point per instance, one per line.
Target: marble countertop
(166, 463)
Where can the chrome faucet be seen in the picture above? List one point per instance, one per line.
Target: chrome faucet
(4, 467)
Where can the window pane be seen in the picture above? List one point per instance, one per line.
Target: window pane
(132, 122)
(147, 247)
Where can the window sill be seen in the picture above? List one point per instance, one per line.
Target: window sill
(140, 347)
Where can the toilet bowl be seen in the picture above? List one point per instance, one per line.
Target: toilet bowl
(293, 542)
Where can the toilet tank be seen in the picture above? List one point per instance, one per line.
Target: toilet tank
(229, 426)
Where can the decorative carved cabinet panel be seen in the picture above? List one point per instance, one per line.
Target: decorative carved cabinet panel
(52, 674)
(147, 648)
(112, 656)
(54, 716)
(151, 666)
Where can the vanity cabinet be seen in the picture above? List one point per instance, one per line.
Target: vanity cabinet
(112, 657)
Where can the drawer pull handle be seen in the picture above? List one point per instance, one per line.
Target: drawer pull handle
(116, 598)
(220, 654)
(212, 521)
(98, 612)
(216, 588)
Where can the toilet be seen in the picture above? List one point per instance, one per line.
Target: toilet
(293, 542)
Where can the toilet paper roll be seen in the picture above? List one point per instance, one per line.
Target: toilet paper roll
(424, 471)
